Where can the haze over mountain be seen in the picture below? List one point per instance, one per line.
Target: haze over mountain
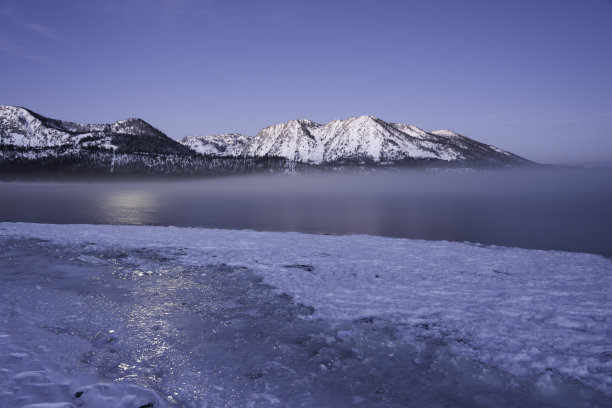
(32, 141)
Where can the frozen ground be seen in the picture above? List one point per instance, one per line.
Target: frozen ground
(99, 316)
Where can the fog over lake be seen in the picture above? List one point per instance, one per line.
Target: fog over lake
(566, 209)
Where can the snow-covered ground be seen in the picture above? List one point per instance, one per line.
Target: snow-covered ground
(98, 315)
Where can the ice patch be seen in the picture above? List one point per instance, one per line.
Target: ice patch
(536, 319)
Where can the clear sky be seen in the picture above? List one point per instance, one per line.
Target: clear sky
(530, 76)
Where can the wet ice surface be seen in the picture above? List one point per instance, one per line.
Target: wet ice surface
(141, 317)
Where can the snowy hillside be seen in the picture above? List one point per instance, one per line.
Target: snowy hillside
(32, 145)
(364, 138)
(22, 129)
(231, 144)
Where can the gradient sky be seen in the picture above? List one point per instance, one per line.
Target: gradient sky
(533, 77)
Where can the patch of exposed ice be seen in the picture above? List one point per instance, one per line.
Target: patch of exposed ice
(542, 317)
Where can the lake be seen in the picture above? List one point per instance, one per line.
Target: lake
(563, 209)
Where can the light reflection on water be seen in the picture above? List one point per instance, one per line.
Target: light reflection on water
(129, 207)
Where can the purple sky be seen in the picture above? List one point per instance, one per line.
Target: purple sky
(533, 77)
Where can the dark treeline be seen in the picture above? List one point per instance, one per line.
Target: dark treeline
(95, 163)
(98, 163)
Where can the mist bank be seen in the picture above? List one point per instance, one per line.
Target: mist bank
(562, 209)
(101, 165)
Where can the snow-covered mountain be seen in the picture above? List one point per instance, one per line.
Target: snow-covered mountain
(30, 142)
(32, 145)
(24, 130)
(360, 139)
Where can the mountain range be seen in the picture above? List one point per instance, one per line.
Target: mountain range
(360, 139)
(30, 141)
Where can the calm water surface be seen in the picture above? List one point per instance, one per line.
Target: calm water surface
(563, 209)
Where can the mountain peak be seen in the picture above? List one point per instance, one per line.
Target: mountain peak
(358, 119)
(14, 109)
(23, 128)
(367, 118)
(135, 127)
(445, 133)
(307, 122)
(131, 121)
(8, 111)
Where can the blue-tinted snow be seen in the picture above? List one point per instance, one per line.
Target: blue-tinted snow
(130, 316)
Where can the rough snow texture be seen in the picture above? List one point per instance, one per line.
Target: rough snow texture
(231, 144)
(20, 128)
(535, 314)
(364, 138)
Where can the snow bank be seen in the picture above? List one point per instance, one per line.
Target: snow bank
(530, 313)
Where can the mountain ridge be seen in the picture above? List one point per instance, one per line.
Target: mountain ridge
(29, 141)
(22, 127)
(362, 138)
